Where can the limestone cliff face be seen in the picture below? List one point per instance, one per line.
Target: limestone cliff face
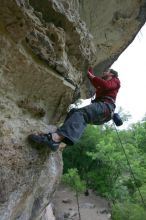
(45, 49)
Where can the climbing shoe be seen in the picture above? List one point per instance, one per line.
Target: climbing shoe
(44, 139)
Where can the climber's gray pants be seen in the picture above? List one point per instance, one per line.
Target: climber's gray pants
(77, 119)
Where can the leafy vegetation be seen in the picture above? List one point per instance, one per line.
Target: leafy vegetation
(100, 161)
(72, 179)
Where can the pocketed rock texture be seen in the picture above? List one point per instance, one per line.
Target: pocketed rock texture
(45, 49)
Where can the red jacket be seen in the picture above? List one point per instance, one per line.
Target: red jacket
(106, 87)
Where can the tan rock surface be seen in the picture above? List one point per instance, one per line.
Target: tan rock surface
(45, 49)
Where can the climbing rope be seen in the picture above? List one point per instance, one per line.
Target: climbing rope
(130, 168)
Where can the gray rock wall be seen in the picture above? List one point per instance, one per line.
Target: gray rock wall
(45, 49)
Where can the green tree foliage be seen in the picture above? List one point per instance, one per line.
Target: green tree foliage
(138, 131)
(136, 197)
(128, 211)
(73, 179)
(101, 163)
(76, 156)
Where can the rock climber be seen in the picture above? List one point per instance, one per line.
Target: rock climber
(96, 113)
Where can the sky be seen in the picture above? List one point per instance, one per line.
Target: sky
(131, 66)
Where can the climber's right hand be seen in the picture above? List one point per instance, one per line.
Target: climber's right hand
(90, 73)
